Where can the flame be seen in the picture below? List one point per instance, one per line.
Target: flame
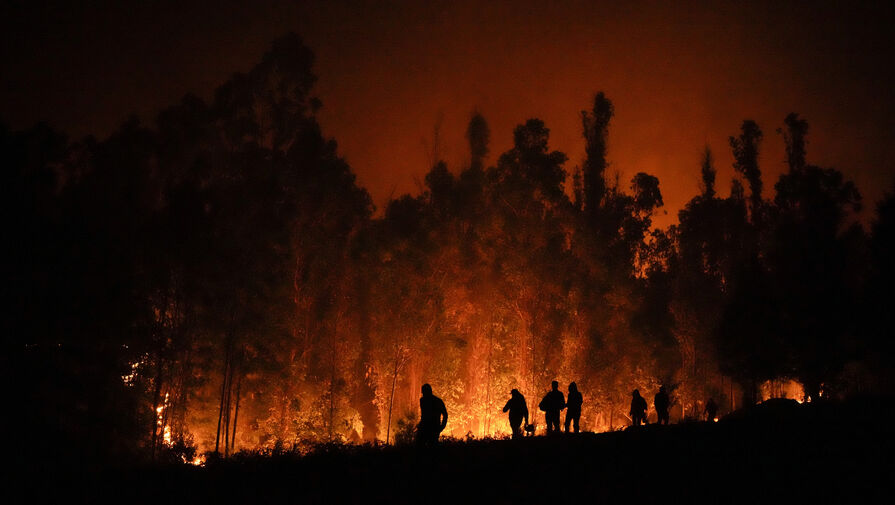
(160, 422)
(129, 378)
(784, 388)
(199, 460)
(480, 417)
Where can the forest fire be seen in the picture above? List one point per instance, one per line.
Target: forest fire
(196, 461)
(267, 308)
(448, 252)
(791, 389)
(496, 277)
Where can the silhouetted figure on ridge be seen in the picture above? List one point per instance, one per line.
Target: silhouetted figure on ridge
(573, 414)
(711, 410)
(518, 412)
(433, 417)
(552, 404)
(662, 402)
(638, 409)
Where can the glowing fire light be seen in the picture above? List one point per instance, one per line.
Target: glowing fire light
(197, 461)
(160, 421)
(128, 379)
(783, 388)
(167, 435)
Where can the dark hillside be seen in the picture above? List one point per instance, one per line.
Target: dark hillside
(776, 452)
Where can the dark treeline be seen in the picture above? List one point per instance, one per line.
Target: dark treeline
(217, 279)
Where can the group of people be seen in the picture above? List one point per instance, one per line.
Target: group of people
(638, 407)
(662, 402)
(434, 416)
(553, 403)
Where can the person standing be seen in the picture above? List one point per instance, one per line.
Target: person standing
(518, 412)
(433, 417)
(711, 410)
(551, 405)
(638, 408)
(573, 413)
(662, 402)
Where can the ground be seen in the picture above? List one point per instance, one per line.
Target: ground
(777, 452)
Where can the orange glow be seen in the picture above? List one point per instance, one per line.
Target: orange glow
(197, 461)
(783, 388)
(680, 78)
(161, 421)
(681, 75)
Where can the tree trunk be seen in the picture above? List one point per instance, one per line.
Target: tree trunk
(227, 412)
(217, 438)
(365, 394)
(488, 385)
(732, 401)
(281, 422)
(391, 398)
(178, 408)
(156, 397)
(332, 387)
(235, 414)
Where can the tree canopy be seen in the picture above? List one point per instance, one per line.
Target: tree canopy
(217, 279)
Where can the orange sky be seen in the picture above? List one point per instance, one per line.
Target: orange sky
(680, 76)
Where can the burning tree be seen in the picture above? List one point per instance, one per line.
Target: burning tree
(234, 288)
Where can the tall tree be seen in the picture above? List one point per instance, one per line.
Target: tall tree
(595, 124)
(745, 153)
(812, 262)
(708, 174)
(478, 134)
(794, 139)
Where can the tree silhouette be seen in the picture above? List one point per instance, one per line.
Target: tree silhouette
(479, 135)
(745, 153)
(810, 259)
(216, 278)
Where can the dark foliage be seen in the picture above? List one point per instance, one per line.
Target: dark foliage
(775, 452)
(218, 272)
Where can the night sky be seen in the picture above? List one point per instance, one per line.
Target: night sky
(681, 76)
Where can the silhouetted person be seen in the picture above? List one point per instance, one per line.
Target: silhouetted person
(711, 410)
(433, 417)
(662, 402)
(573, 414)
(638, 408)
(518, 412)
(552, 404)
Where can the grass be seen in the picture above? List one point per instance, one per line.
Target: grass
(777, 452)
